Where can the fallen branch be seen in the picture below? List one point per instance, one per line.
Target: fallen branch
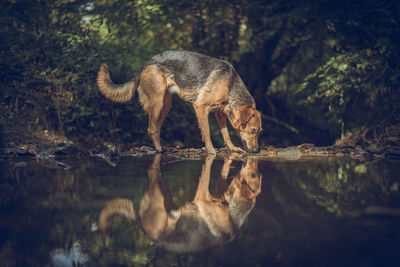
(284, 124)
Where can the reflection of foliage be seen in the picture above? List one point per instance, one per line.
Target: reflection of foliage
(43, 209)
(70, 202)
(342, 186)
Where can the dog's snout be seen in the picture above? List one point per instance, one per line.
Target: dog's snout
(250, 147)
(253, 150)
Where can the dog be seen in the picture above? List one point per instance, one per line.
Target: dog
(205, 221)
(208, 83)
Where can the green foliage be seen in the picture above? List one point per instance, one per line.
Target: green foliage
(350, 87)
(51, 70)
(323, 56)
(344, 77)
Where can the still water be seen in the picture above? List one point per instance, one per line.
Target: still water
(164, 211)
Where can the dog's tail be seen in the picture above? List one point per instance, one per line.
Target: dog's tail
(115, 92)
(119, 206)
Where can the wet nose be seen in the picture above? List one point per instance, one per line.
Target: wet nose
(253, 150)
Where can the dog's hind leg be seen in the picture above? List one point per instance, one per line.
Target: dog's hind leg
(154, 128)
(165, 109)
(152, 94)
(157, 115)
(153, 212)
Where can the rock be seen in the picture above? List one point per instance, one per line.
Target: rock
(111, 156)
(306, 147)
(146, 148)
(178, 144)
(320, 151)
(20, 164)
(63, 165)
(263, 152)
(18, 151)
(64, 150)
(289, 153)
(393, 153)
(267, 153)
(360, 154)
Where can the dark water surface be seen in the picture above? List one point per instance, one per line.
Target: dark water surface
(309, 212)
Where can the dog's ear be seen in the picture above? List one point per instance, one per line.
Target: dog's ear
(245, 115)
(258, 114)
(242, 116)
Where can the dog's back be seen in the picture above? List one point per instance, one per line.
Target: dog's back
(193, 71)
(190, 70)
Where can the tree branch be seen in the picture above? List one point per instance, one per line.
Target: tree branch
(284, 124)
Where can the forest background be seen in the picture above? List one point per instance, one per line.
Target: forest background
(321, 72)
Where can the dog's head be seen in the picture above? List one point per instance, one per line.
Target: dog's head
(250, 180)
(247, 121)
(246, 186)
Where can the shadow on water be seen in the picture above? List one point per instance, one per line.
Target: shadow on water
(310, 212)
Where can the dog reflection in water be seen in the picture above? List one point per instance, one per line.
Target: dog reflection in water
(206, 221)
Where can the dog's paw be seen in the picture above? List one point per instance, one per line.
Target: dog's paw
(236, 149)
(211, 151)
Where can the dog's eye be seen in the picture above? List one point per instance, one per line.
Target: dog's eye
(253, 131)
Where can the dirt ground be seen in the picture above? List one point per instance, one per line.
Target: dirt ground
(21, 139)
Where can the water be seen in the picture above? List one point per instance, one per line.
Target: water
(309, 212)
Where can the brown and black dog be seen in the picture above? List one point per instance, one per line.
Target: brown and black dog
(208, 83)
(205, 221)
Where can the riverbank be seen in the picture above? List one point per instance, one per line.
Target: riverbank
(22, 141)
(56, 151)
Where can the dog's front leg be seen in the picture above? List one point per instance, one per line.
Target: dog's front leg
(226, 168)
(202, 117)
(221, 120)
(222, 183)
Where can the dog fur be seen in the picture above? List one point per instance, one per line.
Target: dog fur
(208, 83)
(205, 221)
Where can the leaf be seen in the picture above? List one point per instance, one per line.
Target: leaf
(342, 67)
